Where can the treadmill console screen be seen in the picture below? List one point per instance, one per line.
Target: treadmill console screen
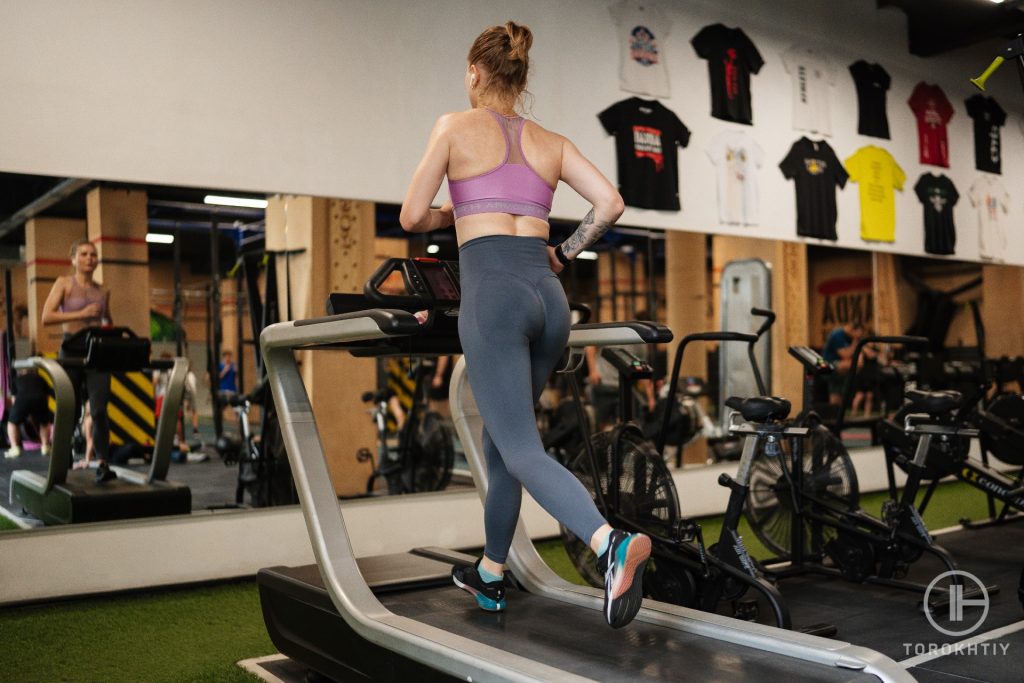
(440, 283)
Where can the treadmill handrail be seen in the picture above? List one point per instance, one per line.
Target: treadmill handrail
(167, 423)
(332, 547)
(63, 417)
(619, 333)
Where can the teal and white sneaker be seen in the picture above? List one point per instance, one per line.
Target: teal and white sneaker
(489, 596)
(623, 564)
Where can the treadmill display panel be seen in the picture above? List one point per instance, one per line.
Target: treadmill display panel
(440, 283)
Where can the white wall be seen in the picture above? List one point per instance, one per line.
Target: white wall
(336, 97)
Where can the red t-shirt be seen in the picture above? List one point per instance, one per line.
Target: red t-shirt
(933, 112)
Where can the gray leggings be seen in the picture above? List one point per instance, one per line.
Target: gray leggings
(514, 325)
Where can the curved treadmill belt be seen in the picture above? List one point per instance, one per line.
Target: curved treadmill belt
(568, 637)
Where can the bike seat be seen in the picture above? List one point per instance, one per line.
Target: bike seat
(760, 408)
(934, 403)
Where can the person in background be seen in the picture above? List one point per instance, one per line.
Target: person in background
(76, 302)
(838, 350)
(227, 373)
(30, 407)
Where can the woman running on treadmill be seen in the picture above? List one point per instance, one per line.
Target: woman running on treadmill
(514, 318)
(76, 302)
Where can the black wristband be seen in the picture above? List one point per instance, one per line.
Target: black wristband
(560, 255)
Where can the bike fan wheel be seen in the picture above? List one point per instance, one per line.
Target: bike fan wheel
(646, 495)
(433, 454)
(828, 476)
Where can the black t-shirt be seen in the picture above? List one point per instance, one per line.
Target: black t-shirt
(988, 118)
(872, 82)
(816, 170)
(731, 59)
(939, 196)
(646, 136)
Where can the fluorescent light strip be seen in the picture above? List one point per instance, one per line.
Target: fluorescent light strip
(159, 238)
(235, 201)
(587, 255)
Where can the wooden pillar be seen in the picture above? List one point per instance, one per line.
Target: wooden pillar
(330, 246)
(626, 275)
(888, 316)
(1002, 310)
(47, 255)
(791, 301)
(117, 225)
(686, 310)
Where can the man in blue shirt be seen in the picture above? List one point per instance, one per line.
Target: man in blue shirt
(227, 373)
(838, 350)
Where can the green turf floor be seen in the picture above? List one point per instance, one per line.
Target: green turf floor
(199, 634)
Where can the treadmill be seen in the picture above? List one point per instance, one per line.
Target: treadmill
(66, 496)
(399, 617)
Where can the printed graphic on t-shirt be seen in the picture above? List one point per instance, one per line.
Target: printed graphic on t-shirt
(647, 143)
(642, 48)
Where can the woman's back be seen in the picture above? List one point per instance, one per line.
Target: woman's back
(482, 145)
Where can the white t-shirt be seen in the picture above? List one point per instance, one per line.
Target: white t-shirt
(737, 157)
(642, 30)
(991, 201)
(813, 76)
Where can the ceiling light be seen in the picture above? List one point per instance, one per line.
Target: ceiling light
(587, 255)
(235, 201)
(159, 238)
(433, 248)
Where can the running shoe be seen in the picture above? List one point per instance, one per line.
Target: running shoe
(104, 473)
(623, 564)
(489, 596)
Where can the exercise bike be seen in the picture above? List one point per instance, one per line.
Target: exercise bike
(630, 482)
(996, 421)
(807, 509)
(424, 455)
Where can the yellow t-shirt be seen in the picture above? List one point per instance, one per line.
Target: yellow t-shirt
(877, 173)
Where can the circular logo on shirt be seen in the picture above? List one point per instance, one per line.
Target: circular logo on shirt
(642, 46)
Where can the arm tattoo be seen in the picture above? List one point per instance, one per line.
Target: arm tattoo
(587, 234)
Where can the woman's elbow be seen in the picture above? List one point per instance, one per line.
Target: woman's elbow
(611, 208)
(411, 220)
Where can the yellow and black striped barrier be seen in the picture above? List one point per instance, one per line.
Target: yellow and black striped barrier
(130, 409)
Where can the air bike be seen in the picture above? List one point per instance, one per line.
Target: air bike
(399, 618)
(804, 505)
(634, 490)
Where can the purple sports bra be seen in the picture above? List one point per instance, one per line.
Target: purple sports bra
(512, 187)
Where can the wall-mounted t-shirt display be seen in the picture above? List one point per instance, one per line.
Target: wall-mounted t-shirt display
(737, 157)
(641, 29)
(646, 136)
(872, 82)
(938, 196)
(933, 112)
(877, 174)
(815, 170)
(813, 77)
(731, 59)
(991, 202)
(988, 118)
